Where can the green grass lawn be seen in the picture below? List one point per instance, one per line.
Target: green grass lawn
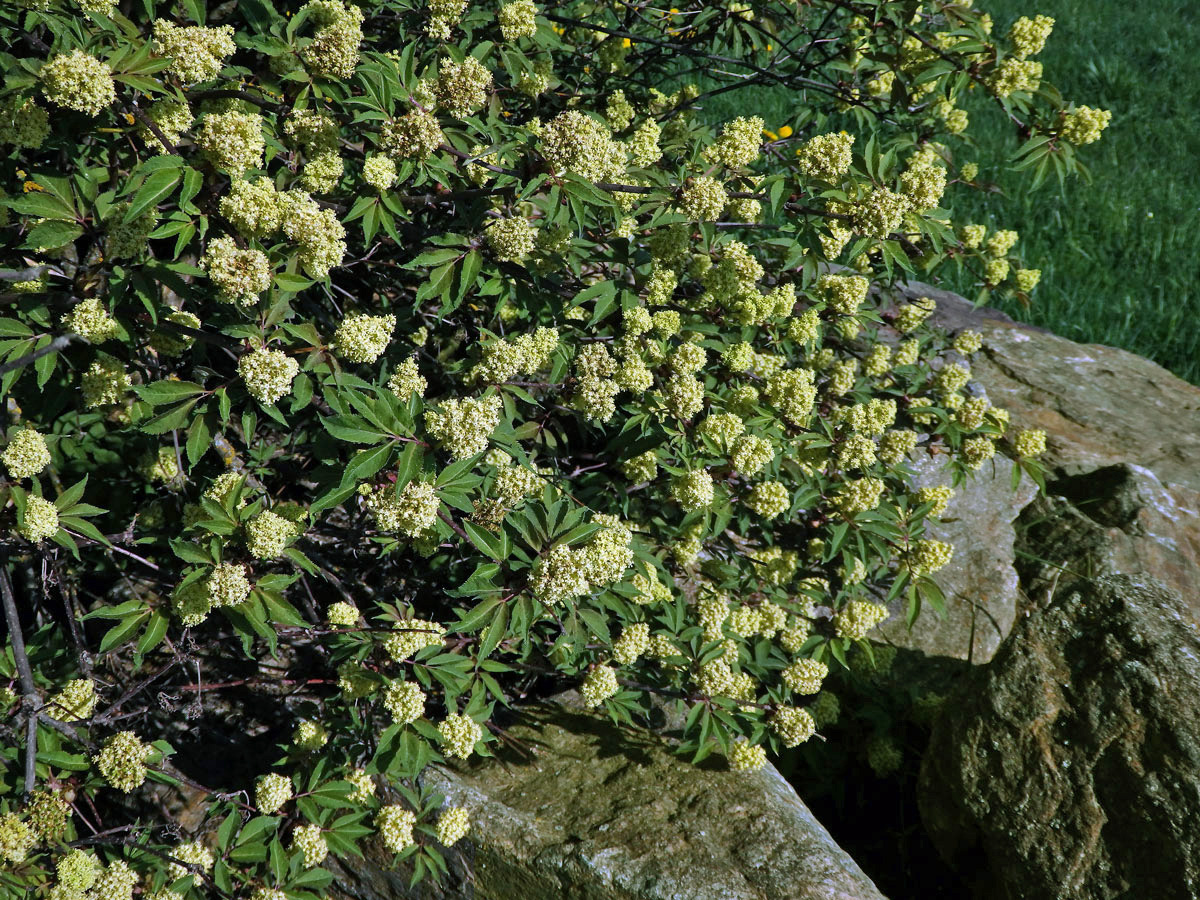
(1120, 258)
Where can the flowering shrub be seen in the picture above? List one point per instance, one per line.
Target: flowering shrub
(373, 365)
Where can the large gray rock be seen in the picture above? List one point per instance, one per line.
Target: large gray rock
(980, 583)
(1123, 453)
(1069, 767)
(597, 812)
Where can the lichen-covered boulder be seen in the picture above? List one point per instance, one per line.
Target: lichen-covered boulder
(579, 808)
(1069, 767)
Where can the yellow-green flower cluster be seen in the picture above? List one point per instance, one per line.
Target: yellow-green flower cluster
(595, 389)
(769, 499)
(78, 81)
(272, 792)
(641, 468)
(826, 157)
(462, 87)
(938, 495)
(1027, 279)
(77, 871)
(517, 20)
(309, 736)
(16, 839)
(47, 814)
(703, 199)
(1028, 36)
(923, 185)
(738, 144)
(458, 735)
(26, 454)
(415, 135)
(253, 207)
(751, 454)
(926, 556)
(77, 700)
(634, 639)
(1001, 242)
(412, 635)
(89, 319)
(362, 339)
(379, 172)
(857, 618)
(23, 123)
(443, 15)
(792, 392)
(644, 151)
(407, 380)
(364, 786)
(972, 236)
(1084, 125)
(172, 117)
(599, 684)
(321, 236)
(880, 213)
(342, 615)
(333, 50)
(842, 293)
(464, 426)
(122, 761)
(858, 495)
(910, 316)
(511, 239)
(265, 893)
(268, 374)
(233, 140)
(574, 142)
(1015, 74)
(197, 53)
(693, 490)
(412, 512)
(794, 726)
(40, 520)
(395, 826)
(453, 824)
(405, 701)
(267, 535)
(161, 467)
(239, 275)
(309, 840)
(804, 676)
(190, 854)
(1029, 442)
(747, 757)
(883, 756)
(228, 584)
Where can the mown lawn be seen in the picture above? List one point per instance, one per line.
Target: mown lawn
(1120, 257)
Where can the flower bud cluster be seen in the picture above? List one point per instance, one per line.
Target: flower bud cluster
(333, 51)
(405, 701)
(804, 676)
(26, 454)
(693, 490)
(769, 499)
(747, 757)
(574, 142)
(511, 239)
(1028, 36)
(632, 643)
(412, 635)
(703, 199)
(77, 700)
(197, 53)
(233, 140)
(459, 734)
(738, 144)
(794, 726)
(228, 584)
(464, 426)
(89, 319)
(239, 275)
(309, 840)
(268, 374)
(857, 618)
(462, 87)
(407, 380)
(395, 826)
(1029, 442)
(122, 761)
(826, 157)
(40, 520)
(362, 339)
(415, 135)
(599, 685)
(272, 792)
(1084, 125)
(23, 123)
(78, 81)
(926, 556)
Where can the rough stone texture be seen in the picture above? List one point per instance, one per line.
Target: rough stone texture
(1100, 406)
(601, 813)
(1119, 519)
(1069, 767)
(980, 583)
